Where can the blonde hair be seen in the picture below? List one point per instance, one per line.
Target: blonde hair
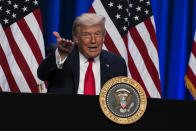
(87, 19)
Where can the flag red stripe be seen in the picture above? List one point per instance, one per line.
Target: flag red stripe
(91, 10)
(151, 31)
(5, 66)
(38, 17)
(191, 76)
(133, 70)
(30, 40)
(0, 89)
(194, 49)
(110, 44)
(21, 61)
(147, 60)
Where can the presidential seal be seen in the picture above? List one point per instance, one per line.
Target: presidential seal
(123, 100)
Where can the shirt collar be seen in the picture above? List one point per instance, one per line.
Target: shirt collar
(83, 59)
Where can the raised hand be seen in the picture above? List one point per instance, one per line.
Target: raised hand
(64, 45)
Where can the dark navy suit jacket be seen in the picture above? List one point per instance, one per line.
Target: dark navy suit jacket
(66, 80)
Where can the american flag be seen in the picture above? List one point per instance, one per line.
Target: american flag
(21, 45)
(190, 77)
(131, 33)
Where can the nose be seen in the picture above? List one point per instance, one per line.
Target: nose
(93, 39)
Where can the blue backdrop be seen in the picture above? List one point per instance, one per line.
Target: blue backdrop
(175, 22)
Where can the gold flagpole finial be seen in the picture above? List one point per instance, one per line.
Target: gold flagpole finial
(40, 88)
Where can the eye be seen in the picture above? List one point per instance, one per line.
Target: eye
(86, 35)
(98, 34)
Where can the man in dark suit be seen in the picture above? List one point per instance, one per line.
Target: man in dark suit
(66, 69)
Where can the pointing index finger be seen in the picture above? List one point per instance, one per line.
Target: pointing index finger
(58, 37)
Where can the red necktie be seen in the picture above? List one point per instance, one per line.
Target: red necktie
(89, 81)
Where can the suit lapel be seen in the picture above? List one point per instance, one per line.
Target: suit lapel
(75, 67)
(105, 68)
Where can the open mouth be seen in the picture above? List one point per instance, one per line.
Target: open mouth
(93, 48)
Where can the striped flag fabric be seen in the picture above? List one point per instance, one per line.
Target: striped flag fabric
(190, 77)
(21, 46)
(131, 34)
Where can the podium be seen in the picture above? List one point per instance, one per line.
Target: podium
(34, 111)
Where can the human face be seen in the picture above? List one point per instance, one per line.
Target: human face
(90, 40)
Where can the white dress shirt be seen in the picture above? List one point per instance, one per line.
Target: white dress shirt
(83, 67)
(96, 71)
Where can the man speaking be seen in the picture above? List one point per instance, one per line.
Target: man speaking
(81, 67)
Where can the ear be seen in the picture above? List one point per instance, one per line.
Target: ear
(75, 38)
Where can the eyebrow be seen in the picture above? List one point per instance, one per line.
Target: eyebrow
(95, 32)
